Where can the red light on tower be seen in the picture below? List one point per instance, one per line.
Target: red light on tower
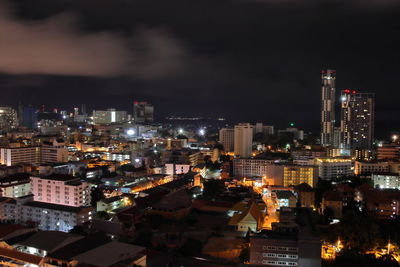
(354, 92)
(347, 91)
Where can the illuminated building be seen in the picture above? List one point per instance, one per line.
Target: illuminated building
(15, 155)
(388, 151)
(16, 185)
(367, 168)
(227, 139)
(386, 180)
(109, 116)
(8, 119)
(243, 136)
(61, 190)
(357, 120)
(143, 112)
(328, 107)
(258, 167)
(274, 248)
(333, 168)
(295, 175)
(47, 217)
(47, 153)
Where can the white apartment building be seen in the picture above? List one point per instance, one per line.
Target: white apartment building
(176, 168)
(14, 186)
(227, 138)
(386, 180)
(33, 154)
(243, 136)
(61, 190)
(46, 217)
(333, 168)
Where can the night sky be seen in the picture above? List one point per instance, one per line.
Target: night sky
(246, 60)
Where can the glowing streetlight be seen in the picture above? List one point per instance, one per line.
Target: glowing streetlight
(202, 132)
(130, 132)
(395, 137)
(180, 131)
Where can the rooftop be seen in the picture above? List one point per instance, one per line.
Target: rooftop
(43, 205)
(109, 254)
(78, 247)
(49, 240)
(57, 177)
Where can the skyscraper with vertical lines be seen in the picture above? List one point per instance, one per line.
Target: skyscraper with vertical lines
(328, 79)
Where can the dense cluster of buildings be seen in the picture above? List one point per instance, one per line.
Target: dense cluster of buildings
(71, 184)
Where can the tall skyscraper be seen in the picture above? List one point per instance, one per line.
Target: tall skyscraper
(357, 119)
(8, 119)
(143, 112)
(328, 107)
(243, 136)
(227, 138)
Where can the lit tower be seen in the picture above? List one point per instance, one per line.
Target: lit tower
(357, 119)
(328, 78)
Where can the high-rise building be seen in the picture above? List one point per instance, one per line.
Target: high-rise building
(143, 112)
(357, 120)
(243, 135)
(8, 119)
(227, 138)
(264, 129)
(109, 116)
(328, 107)
(29, 117)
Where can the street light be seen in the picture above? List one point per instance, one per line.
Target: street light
(202, 132)
(180, 131)
(395, 137)
(130, 132)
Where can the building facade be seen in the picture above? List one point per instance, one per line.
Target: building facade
(357, 120)
(61, 190)
(227, 139)
(333, 168)
(328, 78)
(143, 112)
(243, 136)
(294, 175)
(8, 119)
(109, 116)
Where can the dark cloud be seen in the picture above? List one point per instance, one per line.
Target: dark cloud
(56, 46)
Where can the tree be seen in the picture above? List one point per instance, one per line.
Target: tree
(245, 255)
(191, 247)
(213, 187)
(96, 195)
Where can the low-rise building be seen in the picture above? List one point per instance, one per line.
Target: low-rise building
(285, 249)
(16, 185)
(295, 174)
(305, 195)
(369, 167)
(45, 216)
(61, 190)
(333, 168)
(386, 180)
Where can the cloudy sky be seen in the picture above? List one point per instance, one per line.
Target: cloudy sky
(242, 59)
